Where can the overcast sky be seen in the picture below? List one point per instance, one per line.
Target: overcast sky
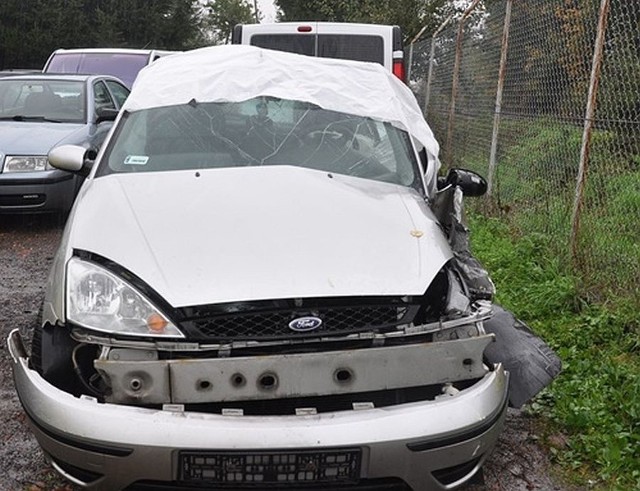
(268, 10)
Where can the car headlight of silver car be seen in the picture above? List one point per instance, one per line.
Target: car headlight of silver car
(26, 163)
(98, 299)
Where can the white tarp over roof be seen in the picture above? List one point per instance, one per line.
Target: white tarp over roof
(235, 73)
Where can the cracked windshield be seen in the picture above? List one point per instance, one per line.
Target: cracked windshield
(261, 131)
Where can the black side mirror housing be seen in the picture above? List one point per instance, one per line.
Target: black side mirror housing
(106, 114)
(471, 183)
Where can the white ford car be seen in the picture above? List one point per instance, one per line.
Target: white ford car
(257, 288)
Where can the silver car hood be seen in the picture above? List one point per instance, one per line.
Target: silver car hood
(34, 138)
(222, 235)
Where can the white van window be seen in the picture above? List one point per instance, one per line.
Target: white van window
(351, 47)
(292, 43)
(342, 46)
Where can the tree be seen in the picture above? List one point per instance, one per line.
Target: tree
(31, 29)
(224, 15)
(167, 24)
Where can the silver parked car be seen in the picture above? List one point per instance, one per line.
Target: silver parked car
(259, 287)
(38, 112)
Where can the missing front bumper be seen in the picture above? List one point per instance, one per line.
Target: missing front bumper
(74, 430)
(301, 375)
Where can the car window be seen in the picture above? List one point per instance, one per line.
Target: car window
(343, 46)
(119, 92)
(302, 44)
(351, 47)
(261, 131)
(64, 63)
(124, 66)
(33, 99)
(102, 98)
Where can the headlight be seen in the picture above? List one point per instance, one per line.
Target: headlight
(98, 299)
(22, 163)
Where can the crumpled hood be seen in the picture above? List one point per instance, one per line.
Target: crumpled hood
(35, 138)
(222, 235)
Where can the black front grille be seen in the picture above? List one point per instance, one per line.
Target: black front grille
(254, 322)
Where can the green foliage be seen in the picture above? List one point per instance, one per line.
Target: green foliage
(596, 399)
(535, 190)
(225, 14)
(545, 153)
(609, 246)
(168, 24)
(536, 286)
(31, 29)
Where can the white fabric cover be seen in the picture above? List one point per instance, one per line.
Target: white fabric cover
(234, 73)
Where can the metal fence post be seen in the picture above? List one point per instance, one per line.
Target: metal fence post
(413, 41)
(496, 116)
(432, 54)
(427, 89)
(454, 85)
(410, 62)
(588, 127)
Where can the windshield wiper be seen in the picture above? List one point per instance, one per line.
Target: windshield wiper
(19, 117)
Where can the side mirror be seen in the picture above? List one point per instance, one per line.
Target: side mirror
(471, 183)
(72, 158)
(106, 114)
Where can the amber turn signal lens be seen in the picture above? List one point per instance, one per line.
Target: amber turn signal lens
(156, 322)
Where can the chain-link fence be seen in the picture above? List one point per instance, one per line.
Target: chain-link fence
(543, 98)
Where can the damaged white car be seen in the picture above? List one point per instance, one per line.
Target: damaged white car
(263, 285)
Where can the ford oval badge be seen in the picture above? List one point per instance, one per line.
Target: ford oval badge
(302, 324)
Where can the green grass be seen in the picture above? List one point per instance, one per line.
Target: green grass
(595, 402)
(586, 306)
(534, 191)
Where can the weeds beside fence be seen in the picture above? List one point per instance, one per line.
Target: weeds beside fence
(543, 98)
(592, 410)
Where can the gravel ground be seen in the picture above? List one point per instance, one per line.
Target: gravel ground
(27, 246)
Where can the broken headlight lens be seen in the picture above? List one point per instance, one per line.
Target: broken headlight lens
(97, 299)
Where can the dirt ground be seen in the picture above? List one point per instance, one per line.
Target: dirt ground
(27, 246)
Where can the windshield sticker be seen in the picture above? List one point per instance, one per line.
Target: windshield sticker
(136, 160)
